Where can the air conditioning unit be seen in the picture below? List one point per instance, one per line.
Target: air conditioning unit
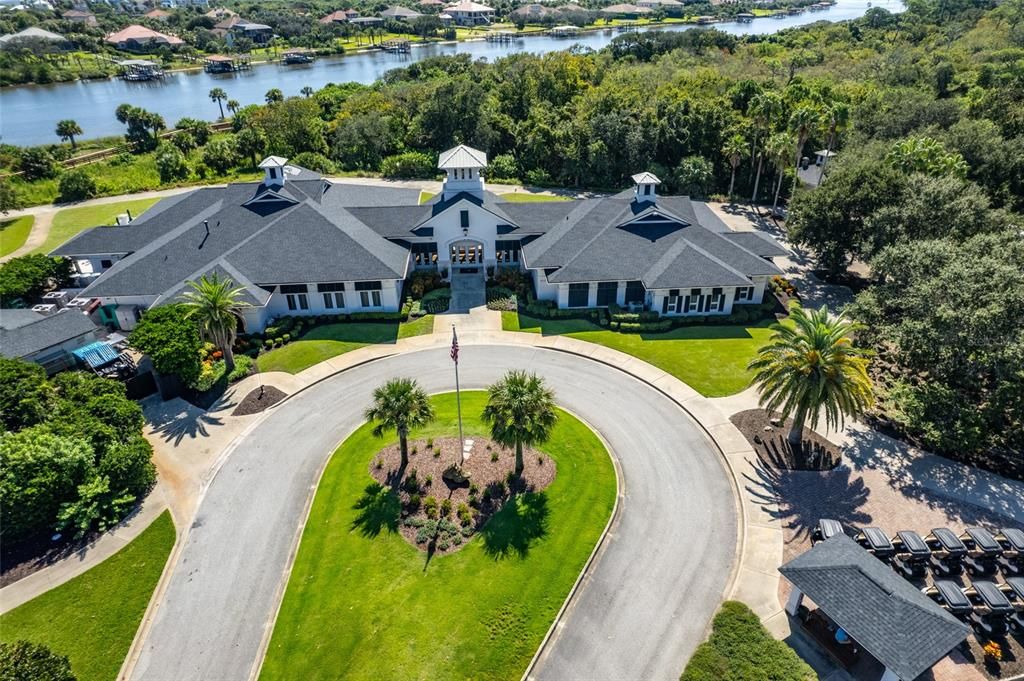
(58, 298)
(45, 309)
(77, 303)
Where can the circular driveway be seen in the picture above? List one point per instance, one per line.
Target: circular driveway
(641, 611)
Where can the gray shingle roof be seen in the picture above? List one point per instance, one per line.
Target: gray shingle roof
(758, 243)
(24, 332)
(664, 245)
(901, 627)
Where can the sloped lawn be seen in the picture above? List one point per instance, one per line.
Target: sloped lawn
(93, 618)
(14, 232)
(330, 340)
(711, 359)
(362, 603)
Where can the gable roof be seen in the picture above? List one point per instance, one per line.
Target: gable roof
(399, 12)
(662, 244)
(462, 157)
(138, 33)
(24, 332)
(901, 627)
(32, 33)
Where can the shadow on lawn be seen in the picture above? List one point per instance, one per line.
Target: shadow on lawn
(379, 510)
(513, 529)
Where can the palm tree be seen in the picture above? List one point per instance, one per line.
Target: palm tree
(400, 405)
(215, 304)
(521, 411)
(274, 95)
(837, 117)
(218, 95)
(811, 366)
(803, 123)
(778, 148)
(763, 109)
(734, 149)
(233, 106)
(67, 129)
(307, 91)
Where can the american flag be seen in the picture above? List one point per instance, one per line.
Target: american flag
(455, 346)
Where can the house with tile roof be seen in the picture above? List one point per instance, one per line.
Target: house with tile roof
(300, 244)
(136, 37)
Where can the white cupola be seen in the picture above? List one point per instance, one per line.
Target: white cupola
(645, 187)
(273, 171)
(463, 167)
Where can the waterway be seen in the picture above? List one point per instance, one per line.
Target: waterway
(29, 114)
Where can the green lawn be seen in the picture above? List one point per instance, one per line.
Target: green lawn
(331, 340)
(14, 232)
(526, 197)
(710, 359)
(93, 618)
(366, 605)
(426, 196)
(70, 221)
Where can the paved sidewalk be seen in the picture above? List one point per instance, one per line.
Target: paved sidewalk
(24, 590)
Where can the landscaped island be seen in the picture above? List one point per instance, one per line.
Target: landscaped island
(483, 608)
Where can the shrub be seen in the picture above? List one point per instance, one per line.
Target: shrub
(76, 185)
(171, 164)
(465, 515)
(430, 507)
(210, 373)
(738, 646)
(221, 154)
(414, 501)
(503, 166)
(171, 340)
(243, 367)
(446, 508)
(37, 163)
(313, 161)
(501, 298)
(27, 660)
(411, 165)
(422, 282)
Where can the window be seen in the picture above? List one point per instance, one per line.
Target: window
(464, 218)
(634, 292)
(607, 291)
(694, 301)
(647, 190)
(369, 293)
(104, 264)
(334, 300)
(744, 293)
(506, 252)
(369, 298)
(716, 300)
(297, 301)
(424, 255)
(579, 295)
(672, 302)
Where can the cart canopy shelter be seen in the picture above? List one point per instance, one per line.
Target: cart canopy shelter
(885, 614)
(96, 355)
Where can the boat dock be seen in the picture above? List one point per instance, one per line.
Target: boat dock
(502, 37)
(297, 55)
(219, 63)
(564, 32)
(139, 70)
(397, 46)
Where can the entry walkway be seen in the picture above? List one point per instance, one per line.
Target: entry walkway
(469, 290)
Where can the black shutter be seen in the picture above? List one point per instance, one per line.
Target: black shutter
(664, 305)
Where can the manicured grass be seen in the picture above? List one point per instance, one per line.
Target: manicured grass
(710, 359)
(323, 342)
(93, 618)
(426, 196)
(740, 648)
(70, 221)
(14, 232)
(362, 603)
(526, 197)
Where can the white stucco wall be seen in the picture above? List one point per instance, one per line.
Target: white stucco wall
(277, 306)
(545, 291)
(658, 296)
(483, 227)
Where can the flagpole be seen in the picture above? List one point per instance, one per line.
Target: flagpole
(458, 397)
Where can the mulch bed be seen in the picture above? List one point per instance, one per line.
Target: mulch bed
(773, 449)
(26, 557)
(259, 399)
(489, 486)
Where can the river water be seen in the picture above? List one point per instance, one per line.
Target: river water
(29, 114)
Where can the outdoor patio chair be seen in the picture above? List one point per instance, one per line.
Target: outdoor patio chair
(983, 551)
(826, 529)
(876, 542)
(948, 552)
(1012, 541)
(912, 554)
(951, 597)
(1014, 590)
(992, 609)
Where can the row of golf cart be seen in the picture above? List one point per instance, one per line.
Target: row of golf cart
(991, 607)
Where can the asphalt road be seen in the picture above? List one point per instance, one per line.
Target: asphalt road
(643, 610)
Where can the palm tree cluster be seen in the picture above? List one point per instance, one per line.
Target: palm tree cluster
(215, 304)
(520, 410)
(778, 132)
(810, 367)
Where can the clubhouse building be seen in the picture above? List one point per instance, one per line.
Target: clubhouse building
(299, 244)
